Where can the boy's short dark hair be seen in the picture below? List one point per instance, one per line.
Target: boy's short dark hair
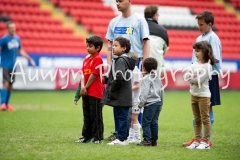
(150, 10)
(8, 23)
(150, 64)
(124, 43)
(207, 16)
(96, 41)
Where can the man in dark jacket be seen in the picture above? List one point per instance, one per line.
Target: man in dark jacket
(158, 36)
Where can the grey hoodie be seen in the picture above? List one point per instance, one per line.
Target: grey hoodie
(150, 90)
(118, 92)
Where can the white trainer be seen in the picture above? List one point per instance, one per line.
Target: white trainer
(131, 140)
(203, 145)
(194, 145)
(118, 142)
(137, 141)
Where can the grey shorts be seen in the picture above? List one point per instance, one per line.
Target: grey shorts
(8, 76)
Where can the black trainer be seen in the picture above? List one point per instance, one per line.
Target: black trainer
(112, 137)
(83, 140)
(145, 143)
(96, 141)
(154, 143)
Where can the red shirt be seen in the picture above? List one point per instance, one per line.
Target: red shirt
(91, 65)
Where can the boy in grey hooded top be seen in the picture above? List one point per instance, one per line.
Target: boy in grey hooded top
(150, 99)
(118, 92)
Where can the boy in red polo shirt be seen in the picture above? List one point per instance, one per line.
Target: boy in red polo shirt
(92, 86)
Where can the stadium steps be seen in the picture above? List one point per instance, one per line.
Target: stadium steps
(228, 7)
(67, 21)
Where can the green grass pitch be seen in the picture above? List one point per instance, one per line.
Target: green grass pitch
(47, 123)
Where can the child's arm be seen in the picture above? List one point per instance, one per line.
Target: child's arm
(145, 86)
(91, 79)
(136, 85)
(200, 77)
(83, 91)
(77, 94)
(188, 73)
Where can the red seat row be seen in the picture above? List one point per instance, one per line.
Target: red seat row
(182, 3)
(235, 3)
(19, 3)
(49, 36)
(92, 14)
(53, 43)
(36, 19)
(43, 28)
(23, 10)
(55, 50)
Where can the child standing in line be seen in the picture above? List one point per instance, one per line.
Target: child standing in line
(118, 92)
(134, 131)
(150, 99)
(205, 22)
(92, 86)
(198, 77)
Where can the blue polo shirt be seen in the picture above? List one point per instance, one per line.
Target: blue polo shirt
(9, 49)
(134, 28)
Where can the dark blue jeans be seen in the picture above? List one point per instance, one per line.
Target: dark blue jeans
(150, 121)
(122, 116)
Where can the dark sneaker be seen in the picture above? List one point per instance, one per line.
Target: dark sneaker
(83, 140)
(145, 143)
(112, 137)
(95, 141)
(154, 143)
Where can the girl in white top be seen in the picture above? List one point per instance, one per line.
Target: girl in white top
(198, 75)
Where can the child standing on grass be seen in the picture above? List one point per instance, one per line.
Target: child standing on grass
(150, 99)
(198, 77)
(118, 92)
(205, 22)
(92, 86)
(134, 131)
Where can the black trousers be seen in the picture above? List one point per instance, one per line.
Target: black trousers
(92, 118)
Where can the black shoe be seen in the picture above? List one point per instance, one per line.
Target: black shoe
(112, 137)
(96, 141)
(145, 143)
(83, 140)
(154, 143)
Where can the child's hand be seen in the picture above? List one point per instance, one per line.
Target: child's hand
(75, 102)
(195, 75)
(140, 107)
(83, 92)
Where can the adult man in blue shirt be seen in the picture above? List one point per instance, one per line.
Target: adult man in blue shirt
(10, 46)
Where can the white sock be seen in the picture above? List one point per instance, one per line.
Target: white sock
(131, 133)
(136, 128)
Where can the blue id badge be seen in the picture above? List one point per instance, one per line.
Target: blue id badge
(123, 30)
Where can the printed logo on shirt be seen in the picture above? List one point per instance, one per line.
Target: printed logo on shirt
(13, 44)
(87, 71)
(123, 30)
